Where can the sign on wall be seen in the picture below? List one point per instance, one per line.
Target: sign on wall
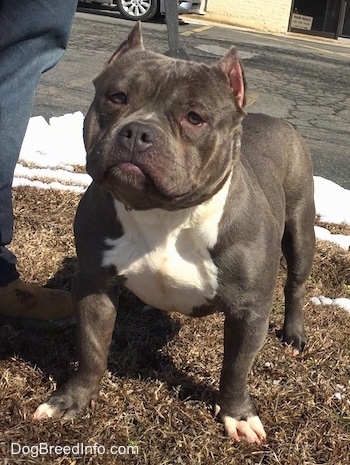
(301, 22)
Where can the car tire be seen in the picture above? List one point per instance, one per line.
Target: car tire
(137, 10)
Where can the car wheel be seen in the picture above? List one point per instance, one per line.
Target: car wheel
(137, 10)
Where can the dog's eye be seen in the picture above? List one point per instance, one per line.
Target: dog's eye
(118, 97)
(194, 118)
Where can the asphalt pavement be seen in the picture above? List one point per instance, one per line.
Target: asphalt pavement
(305, 81)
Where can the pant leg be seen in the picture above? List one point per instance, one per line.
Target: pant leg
(33, 37)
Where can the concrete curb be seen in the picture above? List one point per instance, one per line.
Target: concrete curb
(200, 19)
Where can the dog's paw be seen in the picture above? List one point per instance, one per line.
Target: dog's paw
(250, 430)
(68, 402)
(59, 408)
(46, 411)
(294, 339)
(56, 408)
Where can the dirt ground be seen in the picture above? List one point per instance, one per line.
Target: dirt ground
(156, 400)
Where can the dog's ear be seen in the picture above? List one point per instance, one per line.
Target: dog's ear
(134, 40)
(231, 67)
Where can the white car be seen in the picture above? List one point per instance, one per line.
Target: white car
(142, 10)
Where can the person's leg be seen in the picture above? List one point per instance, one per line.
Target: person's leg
(34, 35)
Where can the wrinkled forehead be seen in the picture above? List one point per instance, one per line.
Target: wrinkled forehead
(153, 75)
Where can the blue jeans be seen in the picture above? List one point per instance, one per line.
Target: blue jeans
(33, 38)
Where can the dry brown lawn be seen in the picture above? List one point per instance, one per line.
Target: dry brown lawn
(164, 370)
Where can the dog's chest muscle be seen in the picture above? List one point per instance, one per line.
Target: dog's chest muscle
(164, 255)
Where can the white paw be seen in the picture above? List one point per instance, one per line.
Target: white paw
(250, 429)
(44, 411)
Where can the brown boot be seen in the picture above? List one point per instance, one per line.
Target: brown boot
(34, 305)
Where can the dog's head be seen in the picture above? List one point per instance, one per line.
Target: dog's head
(163, 132)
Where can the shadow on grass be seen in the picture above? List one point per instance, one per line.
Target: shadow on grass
(140, 335)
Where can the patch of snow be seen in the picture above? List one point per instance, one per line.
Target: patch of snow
(332, 201)
(340, 239)
(52, 150)
(57, 143)
(61, 175)
(44, 185)
(341, 302)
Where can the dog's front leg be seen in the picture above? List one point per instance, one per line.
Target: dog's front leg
(244, 336)
(95, 314)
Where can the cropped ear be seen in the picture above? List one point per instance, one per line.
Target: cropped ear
(231, 67)
(134, 40)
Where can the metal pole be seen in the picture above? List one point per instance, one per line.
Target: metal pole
(172, 22)
(341, 18)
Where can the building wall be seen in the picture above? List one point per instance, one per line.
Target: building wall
(264, 15)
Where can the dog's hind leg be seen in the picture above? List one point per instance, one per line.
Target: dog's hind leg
(298, 245)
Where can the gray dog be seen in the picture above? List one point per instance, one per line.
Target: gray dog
(190, 209)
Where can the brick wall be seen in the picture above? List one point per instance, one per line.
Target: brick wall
(264, 15)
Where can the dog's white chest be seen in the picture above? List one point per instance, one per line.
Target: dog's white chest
(164, 255)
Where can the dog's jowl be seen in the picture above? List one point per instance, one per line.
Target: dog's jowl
(191, 206)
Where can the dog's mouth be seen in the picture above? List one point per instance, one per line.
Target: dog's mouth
(130, 169)
(128, 175)
(130, 183)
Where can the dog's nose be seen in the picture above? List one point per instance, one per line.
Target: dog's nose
(136, 137)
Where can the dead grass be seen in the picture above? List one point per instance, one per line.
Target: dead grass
(164, 370)
(342, 228)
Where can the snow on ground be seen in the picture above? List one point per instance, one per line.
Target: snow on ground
(51, 152)
(342, 240)
(341, 302)
(332, 201)
(57, 143)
